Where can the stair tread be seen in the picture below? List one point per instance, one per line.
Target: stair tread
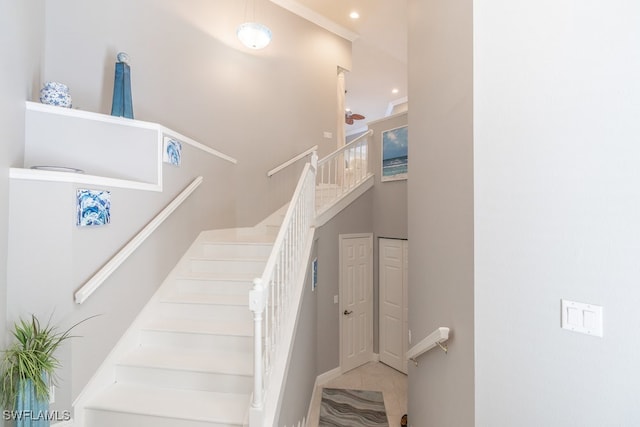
(205, 299)
(194, 326)
(229, 259)
(173, 403)
(245, 235)
(180, 359)
(230, 277)
(231, 242)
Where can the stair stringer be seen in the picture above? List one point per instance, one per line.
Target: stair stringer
(325, 213)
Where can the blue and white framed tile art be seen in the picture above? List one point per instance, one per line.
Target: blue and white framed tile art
(172, 151)
(93, 207)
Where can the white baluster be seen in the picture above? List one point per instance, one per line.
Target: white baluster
(257, 305)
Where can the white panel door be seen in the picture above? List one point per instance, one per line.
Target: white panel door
(356, 300)
(393, 303)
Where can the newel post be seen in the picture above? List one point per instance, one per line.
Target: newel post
(257, 304)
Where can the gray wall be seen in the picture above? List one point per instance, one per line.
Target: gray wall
(389, 198)
(389, 207)
(21, 47)
(557, 204)
(356, 218)
(440, 200)
(301, 375)
(190, 73)
(381, 211)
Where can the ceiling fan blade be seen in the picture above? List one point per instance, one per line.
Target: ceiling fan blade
(348, 120)
(357, 116)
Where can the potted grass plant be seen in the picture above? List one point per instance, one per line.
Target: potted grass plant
(28, 368)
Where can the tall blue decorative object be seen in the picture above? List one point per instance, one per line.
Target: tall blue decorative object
(122, 105)
(31, 411)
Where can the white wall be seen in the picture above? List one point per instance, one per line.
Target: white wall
(21, 48)
(50, 258)
(190, 73)
(557, 183)
(440, 209)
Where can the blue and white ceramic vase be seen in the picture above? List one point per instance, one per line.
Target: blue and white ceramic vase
(54, 93)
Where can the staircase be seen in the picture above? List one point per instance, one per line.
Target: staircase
(188, 360)
(192, 362)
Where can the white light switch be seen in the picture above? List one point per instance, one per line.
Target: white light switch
(581, 317)
(335, 299)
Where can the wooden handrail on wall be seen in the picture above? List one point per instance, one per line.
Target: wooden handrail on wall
(116, 261)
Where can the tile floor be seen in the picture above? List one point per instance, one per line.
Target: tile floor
(372, 376)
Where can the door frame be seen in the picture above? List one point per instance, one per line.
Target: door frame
(341, 239)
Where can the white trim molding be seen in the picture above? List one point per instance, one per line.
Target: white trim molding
(320, 20)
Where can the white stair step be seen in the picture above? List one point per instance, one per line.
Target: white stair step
(208, 299)
(190, 326)
(245, 235)
(222, 371)
(227, 266)
(128, 405)
(211, 308)
(195, 334)
(235, 250)
(219, 284)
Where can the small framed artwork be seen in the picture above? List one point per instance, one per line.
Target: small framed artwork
(172, 151)
(93, 207)
(395, 154)
(314, 274)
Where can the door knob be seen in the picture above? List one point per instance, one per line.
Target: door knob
(346, 313)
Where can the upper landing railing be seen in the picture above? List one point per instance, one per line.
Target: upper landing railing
(343, 170)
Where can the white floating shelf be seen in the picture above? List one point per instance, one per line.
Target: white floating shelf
(80, 178)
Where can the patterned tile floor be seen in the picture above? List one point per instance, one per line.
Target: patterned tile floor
(372, 376)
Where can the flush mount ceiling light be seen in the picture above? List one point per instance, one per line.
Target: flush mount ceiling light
(354, 15)
(254, 35)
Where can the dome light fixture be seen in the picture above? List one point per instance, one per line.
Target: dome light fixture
(354, 15)
(254, 35)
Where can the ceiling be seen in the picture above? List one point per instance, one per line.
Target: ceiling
(379, 39)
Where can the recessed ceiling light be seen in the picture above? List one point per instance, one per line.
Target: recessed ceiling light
(394, 91)
(354, 15)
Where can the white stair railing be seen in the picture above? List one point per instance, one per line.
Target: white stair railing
(275, 298)
(343, 170)
(293, 160)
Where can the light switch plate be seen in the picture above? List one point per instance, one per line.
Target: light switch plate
(581, 317)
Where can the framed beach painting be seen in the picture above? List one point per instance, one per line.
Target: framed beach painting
(395, 154)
